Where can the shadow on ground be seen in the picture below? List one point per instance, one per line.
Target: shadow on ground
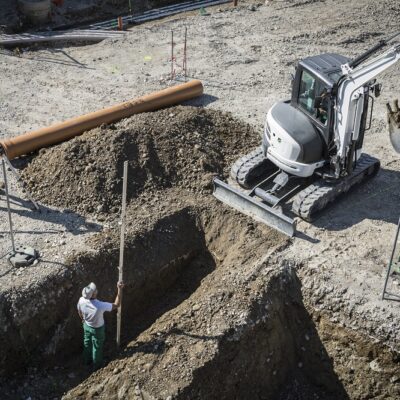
(75, 223)
(377, 199)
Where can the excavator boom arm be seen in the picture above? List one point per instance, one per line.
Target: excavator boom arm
(350, 97)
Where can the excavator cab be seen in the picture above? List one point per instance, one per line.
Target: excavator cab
(298, 131)
(313, 97)
(312, 94)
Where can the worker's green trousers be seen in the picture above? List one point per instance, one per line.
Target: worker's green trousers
(93, 339)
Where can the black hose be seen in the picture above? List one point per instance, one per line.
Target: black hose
(357, 61)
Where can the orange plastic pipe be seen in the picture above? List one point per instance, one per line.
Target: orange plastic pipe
(31, 141)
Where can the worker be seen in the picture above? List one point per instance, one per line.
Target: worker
(91, 311)
(322, 109)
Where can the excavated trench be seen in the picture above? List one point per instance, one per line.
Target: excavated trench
(208, 313)
(205, 317)
(173, 249)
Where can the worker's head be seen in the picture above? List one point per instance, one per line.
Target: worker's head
(90, 291)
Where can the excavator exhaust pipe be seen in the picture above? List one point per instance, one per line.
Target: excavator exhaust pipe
(57, 133)
(253, 208)
(393, 115)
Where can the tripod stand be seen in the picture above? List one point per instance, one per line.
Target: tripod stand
(19, 256)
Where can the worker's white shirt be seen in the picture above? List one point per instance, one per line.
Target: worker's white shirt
(93, 310)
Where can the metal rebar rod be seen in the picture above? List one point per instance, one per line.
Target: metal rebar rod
(121, 249)
(391, 260)
(185, 55)
(8, 204)
(172, 55)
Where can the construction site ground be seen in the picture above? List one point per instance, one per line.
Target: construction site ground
(216, 305)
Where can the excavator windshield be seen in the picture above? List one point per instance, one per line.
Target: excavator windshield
(313, 97)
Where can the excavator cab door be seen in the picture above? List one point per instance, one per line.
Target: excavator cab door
(311, 95)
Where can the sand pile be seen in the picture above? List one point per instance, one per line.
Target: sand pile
(180, 146)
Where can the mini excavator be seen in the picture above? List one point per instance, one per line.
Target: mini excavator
(311, 150)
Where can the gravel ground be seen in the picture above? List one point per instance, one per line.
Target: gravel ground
(244, 57)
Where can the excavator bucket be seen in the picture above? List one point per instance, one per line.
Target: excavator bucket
(394, 124)
(253, 208)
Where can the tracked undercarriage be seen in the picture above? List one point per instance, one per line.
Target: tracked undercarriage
(271, 196)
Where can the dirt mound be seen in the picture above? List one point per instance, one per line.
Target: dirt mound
(180, 146)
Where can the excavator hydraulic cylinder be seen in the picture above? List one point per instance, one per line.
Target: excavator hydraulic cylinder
(59, 132)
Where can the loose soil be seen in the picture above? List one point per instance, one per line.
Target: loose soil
(180, 146)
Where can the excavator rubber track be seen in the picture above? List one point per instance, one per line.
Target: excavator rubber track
(250, 167)
(308, 203)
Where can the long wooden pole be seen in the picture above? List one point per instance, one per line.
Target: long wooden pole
(121, 249)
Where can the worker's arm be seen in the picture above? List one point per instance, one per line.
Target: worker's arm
(117, 301)
(80, 313)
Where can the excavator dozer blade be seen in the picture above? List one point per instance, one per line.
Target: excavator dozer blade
(394, 124)
(253, 208)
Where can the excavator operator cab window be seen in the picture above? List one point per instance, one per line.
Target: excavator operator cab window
(313, 97)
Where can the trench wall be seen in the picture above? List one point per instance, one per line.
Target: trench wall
(270, 353)
(40, 322)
